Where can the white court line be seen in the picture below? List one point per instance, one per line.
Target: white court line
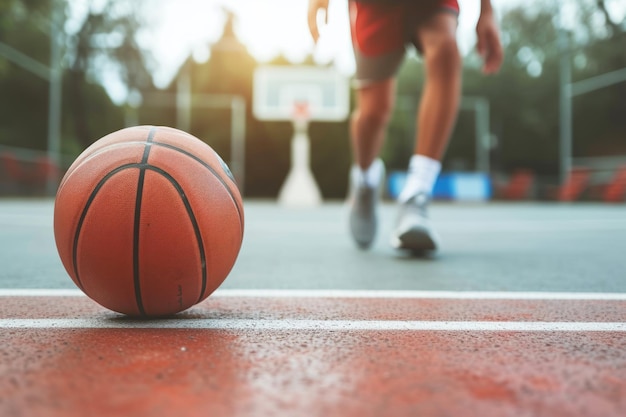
(452, 295)
(330, 325)
(299, 325)
(396, 294)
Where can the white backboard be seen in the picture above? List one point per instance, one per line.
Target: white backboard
(279, 89)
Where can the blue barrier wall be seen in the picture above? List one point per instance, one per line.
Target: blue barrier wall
(462, 186)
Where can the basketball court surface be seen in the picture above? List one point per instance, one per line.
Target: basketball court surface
(523, 313)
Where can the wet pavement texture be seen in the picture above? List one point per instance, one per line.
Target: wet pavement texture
(89, 361)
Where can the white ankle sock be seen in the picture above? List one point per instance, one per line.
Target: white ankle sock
(372, 175)
(421, 177)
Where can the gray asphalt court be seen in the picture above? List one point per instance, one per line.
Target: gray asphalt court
(486, 247)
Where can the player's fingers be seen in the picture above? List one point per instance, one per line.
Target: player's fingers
(487, 47)
(480, 46)
(494, 54)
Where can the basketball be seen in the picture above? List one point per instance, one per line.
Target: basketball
(148, 221)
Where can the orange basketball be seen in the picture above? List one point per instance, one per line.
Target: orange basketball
(148, 221)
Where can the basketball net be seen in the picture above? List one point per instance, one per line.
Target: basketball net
(301, 113)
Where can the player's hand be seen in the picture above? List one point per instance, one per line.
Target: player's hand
(314, 7)
(489, 45)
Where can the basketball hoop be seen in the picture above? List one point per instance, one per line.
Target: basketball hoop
(300, 94)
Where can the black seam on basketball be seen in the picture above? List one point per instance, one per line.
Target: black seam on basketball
(83, 215)
(137, 220)
(179, 189)
(143, 166)
(213, 171)
(192, 218)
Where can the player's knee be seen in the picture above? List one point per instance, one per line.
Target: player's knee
(375, 104)
(378, 115)
(444, 54)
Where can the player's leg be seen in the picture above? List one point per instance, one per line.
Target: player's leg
(379, 49)
(442, 88)
(436, 118)
(374, 104)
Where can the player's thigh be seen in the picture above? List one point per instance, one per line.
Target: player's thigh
(437, 31)
(378, 40)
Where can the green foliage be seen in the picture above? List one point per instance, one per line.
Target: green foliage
(88, 112)
(331, 157)
(104, 44)
(23, 106)
(523, 97)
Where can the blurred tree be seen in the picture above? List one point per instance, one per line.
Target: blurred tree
(229, 71)
(104, 45)
(524, 96)
(599, 46)
(24, 28)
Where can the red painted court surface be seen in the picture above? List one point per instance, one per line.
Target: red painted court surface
(317, 353)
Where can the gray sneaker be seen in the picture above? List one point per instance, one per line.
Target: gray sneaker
(364, 206)
(413, 231)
